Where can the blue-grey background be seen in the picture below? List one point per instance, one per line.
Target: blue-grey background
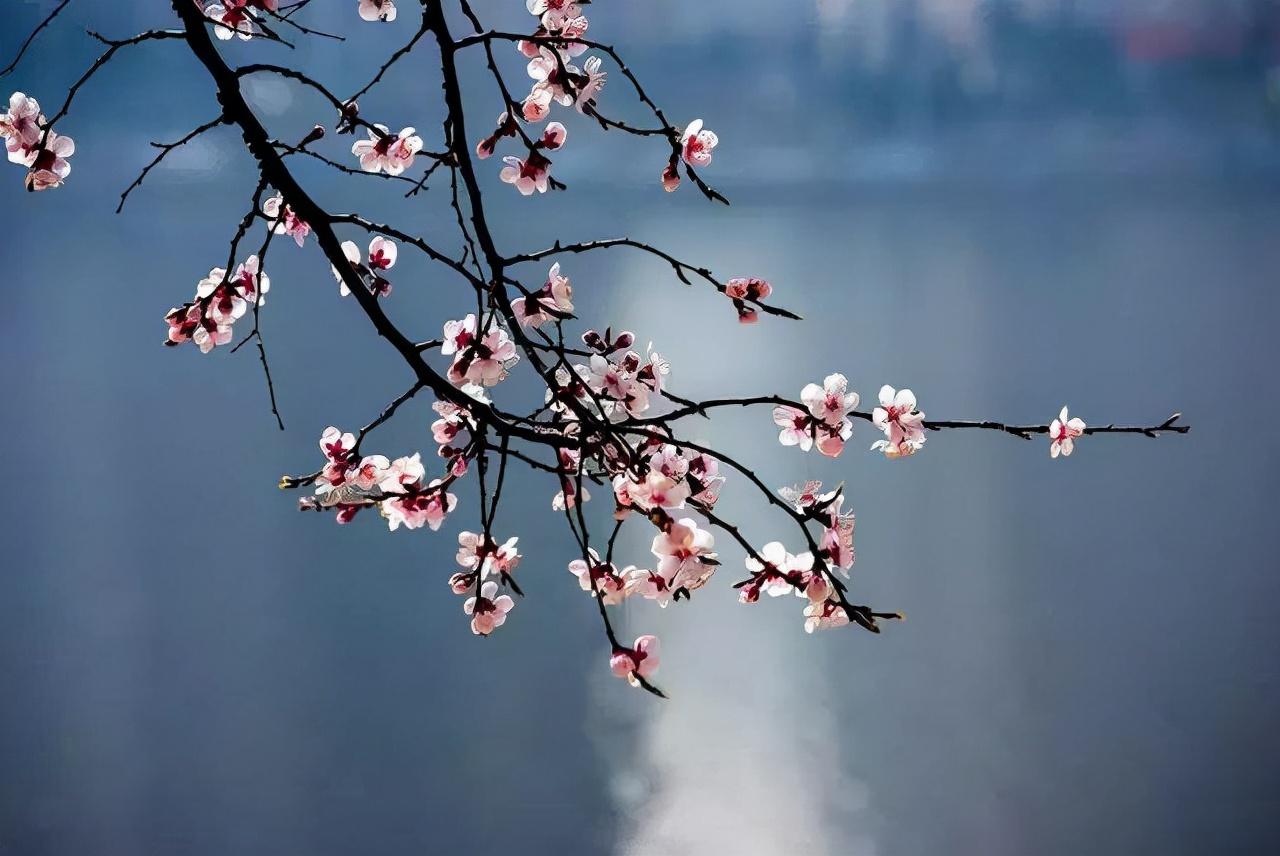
(1005, 206)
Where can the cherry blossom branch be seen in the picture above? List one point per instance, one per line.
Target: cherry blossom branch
(595, 416)
(681, 269)
(1025, 432)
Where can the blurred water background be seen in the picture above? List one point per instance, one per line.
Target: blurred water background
(1006, 206)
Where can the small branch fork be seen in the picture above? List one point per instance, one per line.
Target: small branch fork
(583, 440)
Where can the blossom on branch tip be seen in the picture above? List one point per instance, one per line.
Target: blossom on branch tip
(696, 144)
(20, 126)
(597, 576)
(529, 176)
(383, 152)
(639, 661)
(488, 609)
(901, 422)
(284, 221)
(47, 164)
(482, 355)
(1063, 432)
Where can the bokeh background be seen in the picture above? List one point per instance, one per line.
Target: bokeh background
(1006, 206)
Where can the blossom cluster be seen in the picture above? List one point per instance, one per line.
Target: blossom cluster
(31, 143)
(381, 257)
(486, 564)
(776, 572)
(399, 488)
(482, 350)
(219, 302)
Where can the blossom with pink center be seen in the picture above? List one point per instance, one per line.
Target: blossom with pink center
(902, 424)
(402, 475)
(649, 585)
(704, 479)
(382, 257)
(20, 126)
(370, 472)
(480, 356)
(427, 506)
(1063, 432)
(823, 615)
(778, 572)
(537, 104)
(231, 18)
(659, 491)
(337, 447)
(797, 427)
(807, 497)
(383, 152)
(284, 221)
(475, 551)
(529, 176)
(488, 610)
(553, 300)
(639, 661)
(697, 143)
(558, 9)
(829, 405)
(599, 576)
(553, 77)
(836, 543)
(743, 290)
(553, 136)
(47, 165)
(377, 10)
(684, 554)
(589, 84)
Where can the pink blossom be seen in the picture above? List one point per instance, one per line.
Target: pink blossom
(337, 448)
(421, 507)
(649, 585)
(488, 610)
(378, 10)
(589, 84)
(670, 176)
(284, 221)
(482, 358)
(837, 536)
(780, 572)
(599, 576)
(696, 144)
(385, 153)
(829, 404)
(370, 472)
(1063, 432)
(684, 554)
(824, 615)
(556, 9)
(553, 300)
(47, 166)
(553, 136)
(475, 551)
(231, 18)
(797, 427)
(536, 105)
(901, 423)
(402, 475)
(528, 176)
(639, 661)
(20, 126)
